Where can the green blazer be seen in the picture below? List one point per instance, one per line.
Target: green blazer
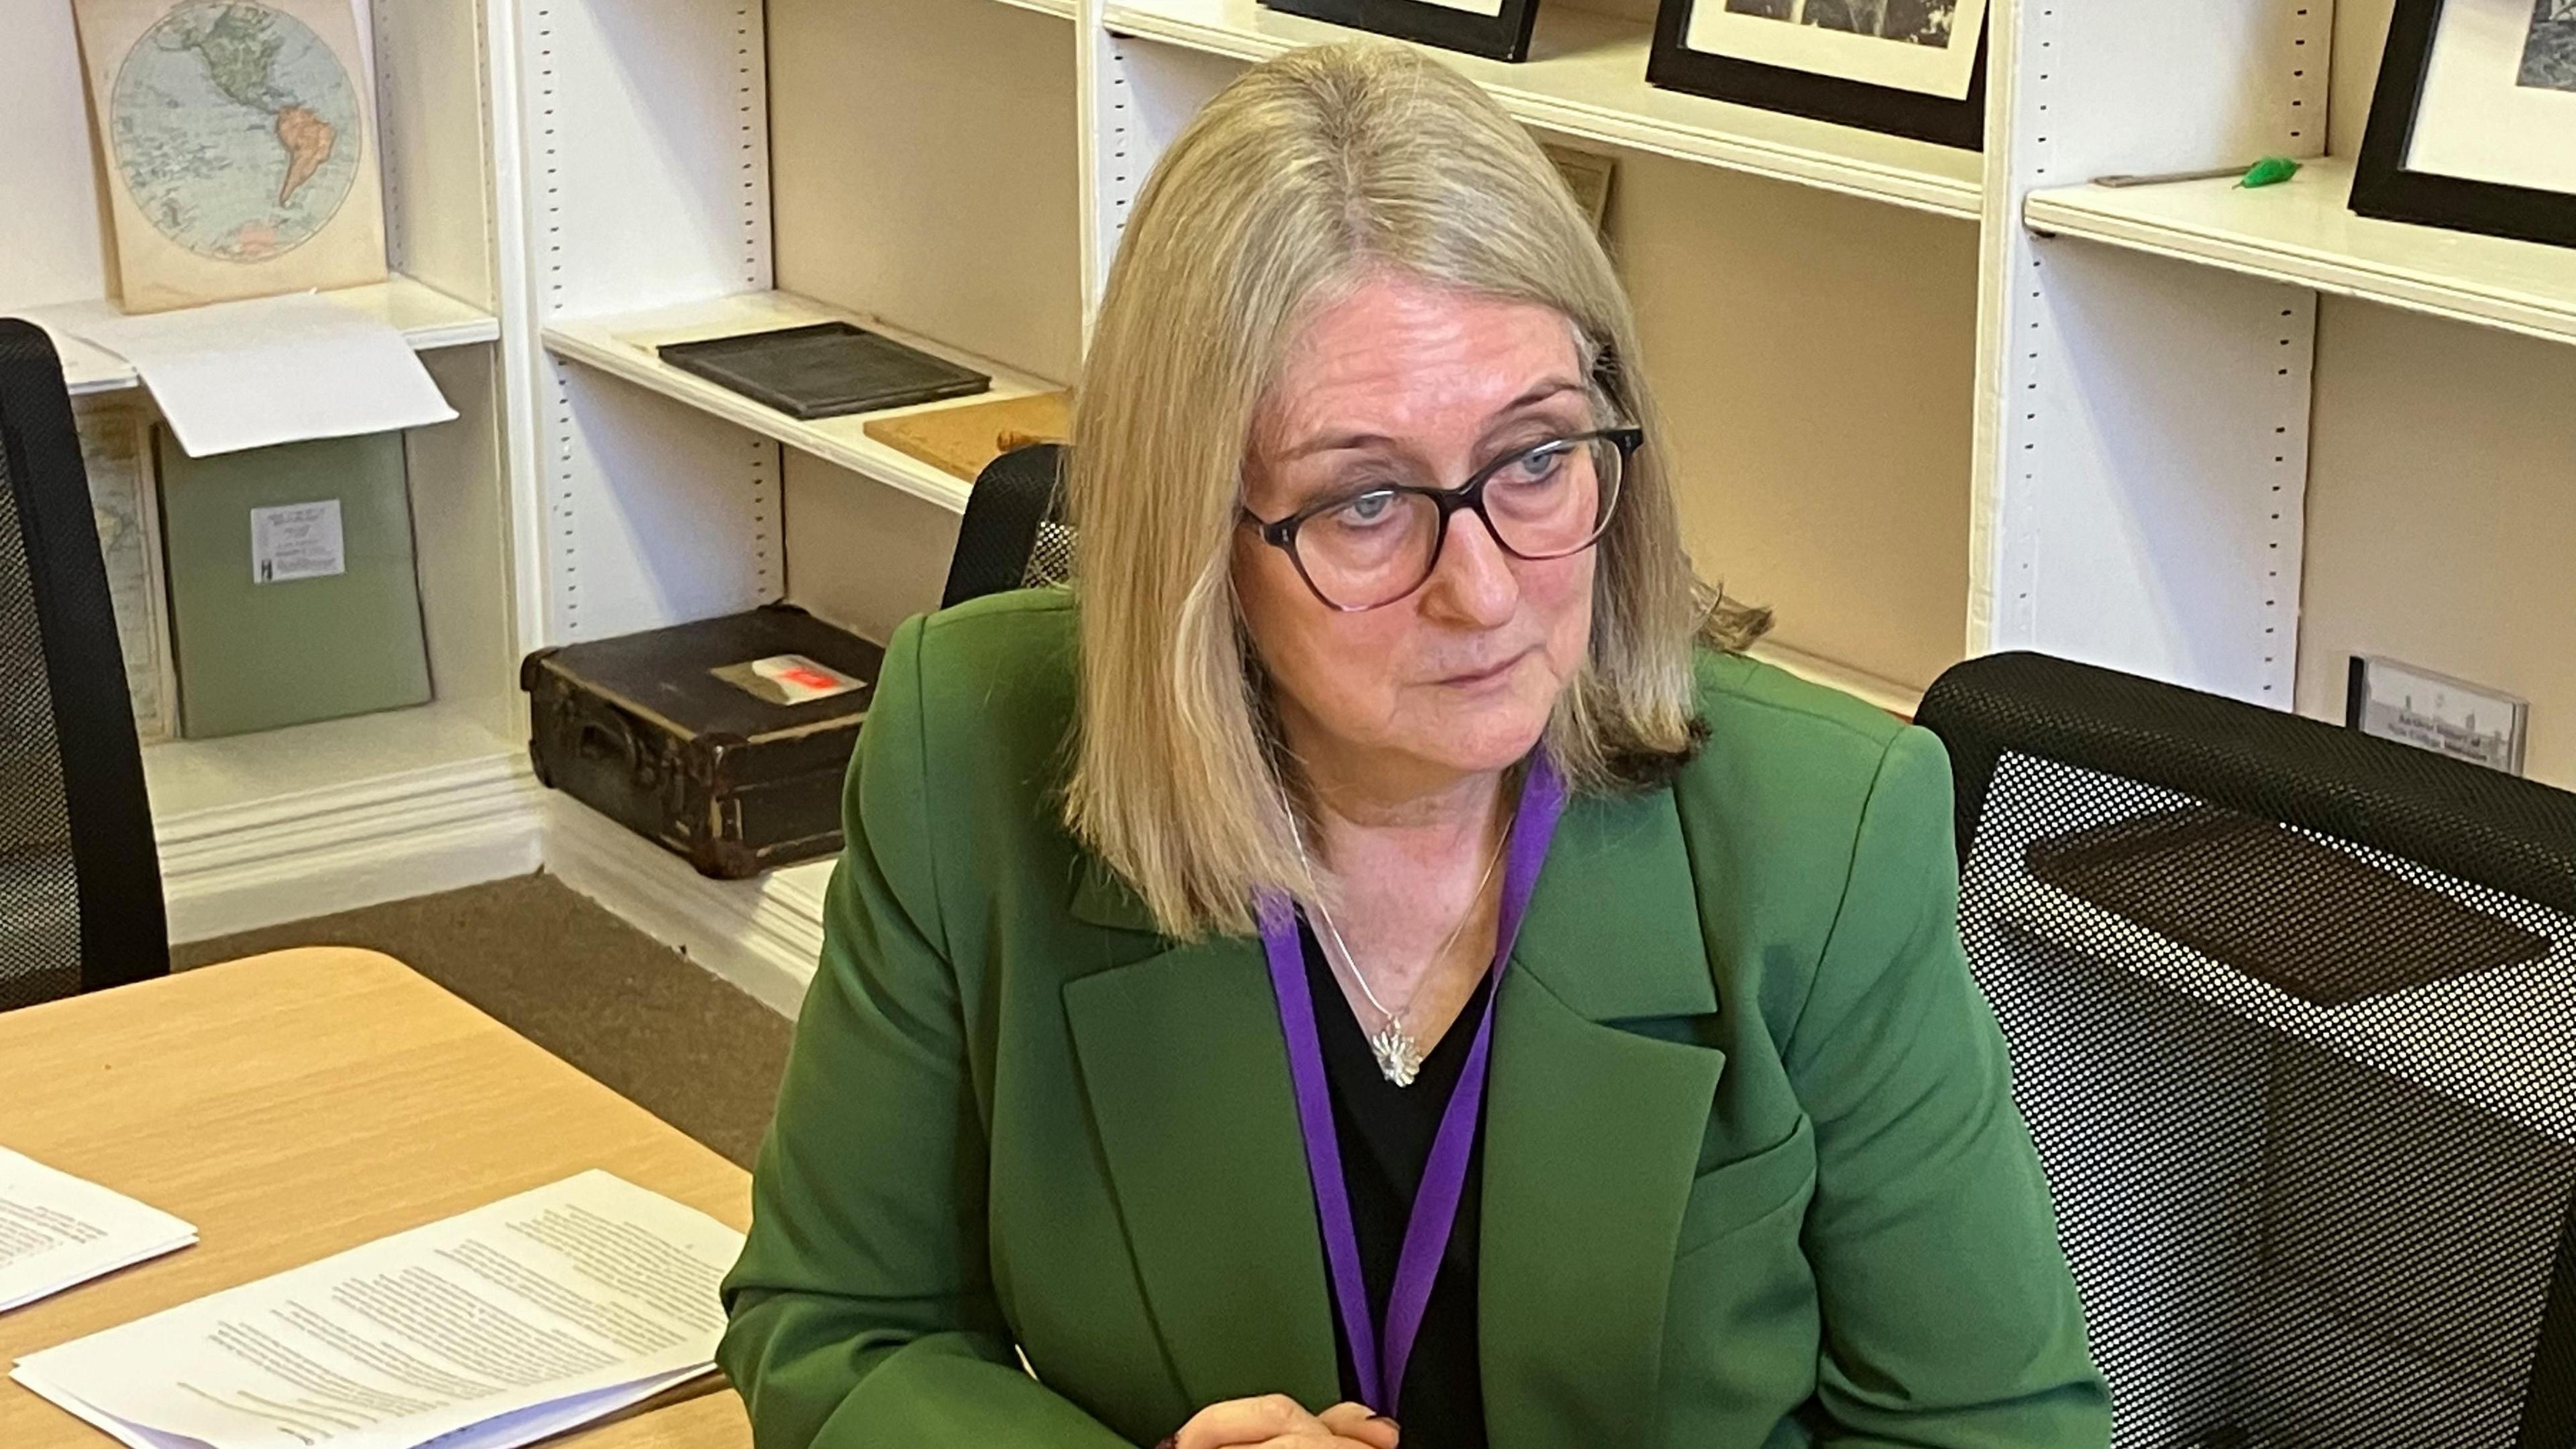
(1752, 1175)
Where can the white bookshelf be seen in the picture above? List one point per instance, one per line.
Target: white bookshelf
(427, 318)
(188, 777)
(625, 347)
(267, 827)
(2305, 233)
(1928, 403)
(1586, 78)
(284, 824)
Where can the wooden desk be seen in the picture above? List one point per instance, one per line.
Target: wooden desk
(297, 1104)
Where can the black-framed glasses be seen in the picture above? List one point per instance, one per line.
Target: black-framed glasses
(1367, 549)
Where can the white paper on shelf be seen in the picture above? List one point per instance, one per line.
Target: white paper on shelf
(237, 375)
(483, 1331)
(57, 1230)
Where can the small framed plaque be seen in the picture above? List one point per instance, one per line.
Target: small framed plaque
(1495, 29)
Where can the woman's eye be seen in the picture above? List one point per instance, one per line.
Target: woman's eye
(1538, 464)
(1364, 510)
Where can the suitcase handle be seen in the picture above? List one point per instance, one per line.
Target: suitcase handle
(597, 740)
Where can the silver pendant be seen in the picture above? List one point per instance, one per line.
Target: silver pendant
(1397, 1056)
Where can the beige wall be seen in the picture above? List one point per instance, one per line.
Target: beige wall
(923, 165)
(2442, 514)
(1816, 354)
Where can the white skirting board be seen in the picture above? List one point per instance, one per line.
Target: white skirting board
(762, 935)
(291, 857)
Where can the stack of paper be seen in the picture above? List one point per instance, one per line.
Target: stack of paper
(238, 375)
(56, 1230)
(487, 1330)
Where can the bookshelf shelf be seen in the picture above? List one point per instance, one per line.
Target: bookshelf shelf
(623, 346)
(188, 777)
(427, 318)
(2304, 232)
(1586, 78)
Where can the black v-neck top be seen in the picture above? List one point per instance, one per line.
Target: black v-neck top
(1386, 1133)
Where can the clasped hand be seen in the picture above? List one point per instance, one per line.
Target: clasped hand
(1276, 1421)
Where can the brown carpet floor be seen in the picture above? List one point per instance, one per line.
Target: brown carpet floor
(641, 1018)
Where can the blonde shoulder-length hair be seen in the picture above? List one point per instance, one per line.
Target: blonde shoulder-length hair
(1304, 176)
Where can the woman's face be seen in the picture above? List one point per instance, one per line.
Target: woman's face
(1406, 382)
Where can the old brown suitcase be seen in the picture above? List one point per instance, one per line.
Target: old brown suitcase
(724, 740)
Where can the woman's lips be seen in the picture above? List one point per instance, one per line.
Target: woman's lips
(1471, 679)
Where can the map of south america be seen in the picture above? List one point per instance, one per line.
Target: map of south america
(239, 45)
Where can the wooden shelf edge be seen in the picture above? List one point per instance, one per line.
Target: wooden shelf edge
(1850, 176)
(2071, 212)
(1060, 9)
(597, 342)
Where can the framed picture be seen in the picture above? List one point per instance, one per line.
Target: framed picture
(2474, 124)
(1905, 67)
(1495, 29)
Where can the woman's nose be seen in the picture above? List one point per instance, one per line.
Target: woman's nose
(1473, 583)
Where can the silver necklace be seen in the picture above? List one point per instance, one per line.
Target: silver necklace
(1398, 1054)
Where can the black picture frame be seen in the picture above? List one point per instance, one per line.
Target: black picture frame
(1843, 101)
(2382, 186)
(1499, 37)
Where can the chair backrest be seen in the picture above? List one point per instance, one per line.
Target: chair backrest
(2292, 1015)
(1013, 535)
(80, 877)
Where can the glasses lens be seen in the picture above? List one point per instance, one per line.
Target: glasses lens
(1555, 499)
(1372, 550)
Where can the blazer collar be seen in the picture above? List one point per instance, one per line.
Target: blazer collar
(1102, 897)
(1614, 912)
(1592, 1137)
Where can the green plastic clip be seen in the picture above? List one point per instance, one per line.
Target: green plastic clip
(2270, 171)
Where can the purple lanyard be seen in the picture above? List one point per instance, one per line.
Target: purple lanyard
(1444, 1175)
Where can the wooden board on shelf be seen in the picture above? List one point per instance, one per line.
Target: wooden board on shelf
(624, 346)
(961, 440)
(1586, 77)
(2303, 232)
(426, 317)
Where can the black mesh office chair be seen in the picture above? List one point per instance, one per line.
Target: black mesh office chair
(80, 878)
(2292, 1014)
(1013, 535)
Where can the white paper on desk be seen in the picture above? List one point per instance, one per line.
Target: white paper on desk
(57, 1230)
(238, 375)
(492, 1328)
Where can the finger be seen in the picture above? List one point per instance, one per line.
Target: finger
(1360, 1422)
(1237, 1423)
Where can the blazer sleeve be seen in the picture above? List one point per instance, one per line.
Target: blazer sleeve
(862, 1310)
(1950, 1320)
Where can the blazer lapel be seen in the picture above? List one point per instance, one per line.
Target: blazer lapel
(1593, 1130)
(1594, 1119)
(1187, 1081)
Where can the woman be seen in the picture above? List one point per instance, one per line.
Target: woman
(1352, 970)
